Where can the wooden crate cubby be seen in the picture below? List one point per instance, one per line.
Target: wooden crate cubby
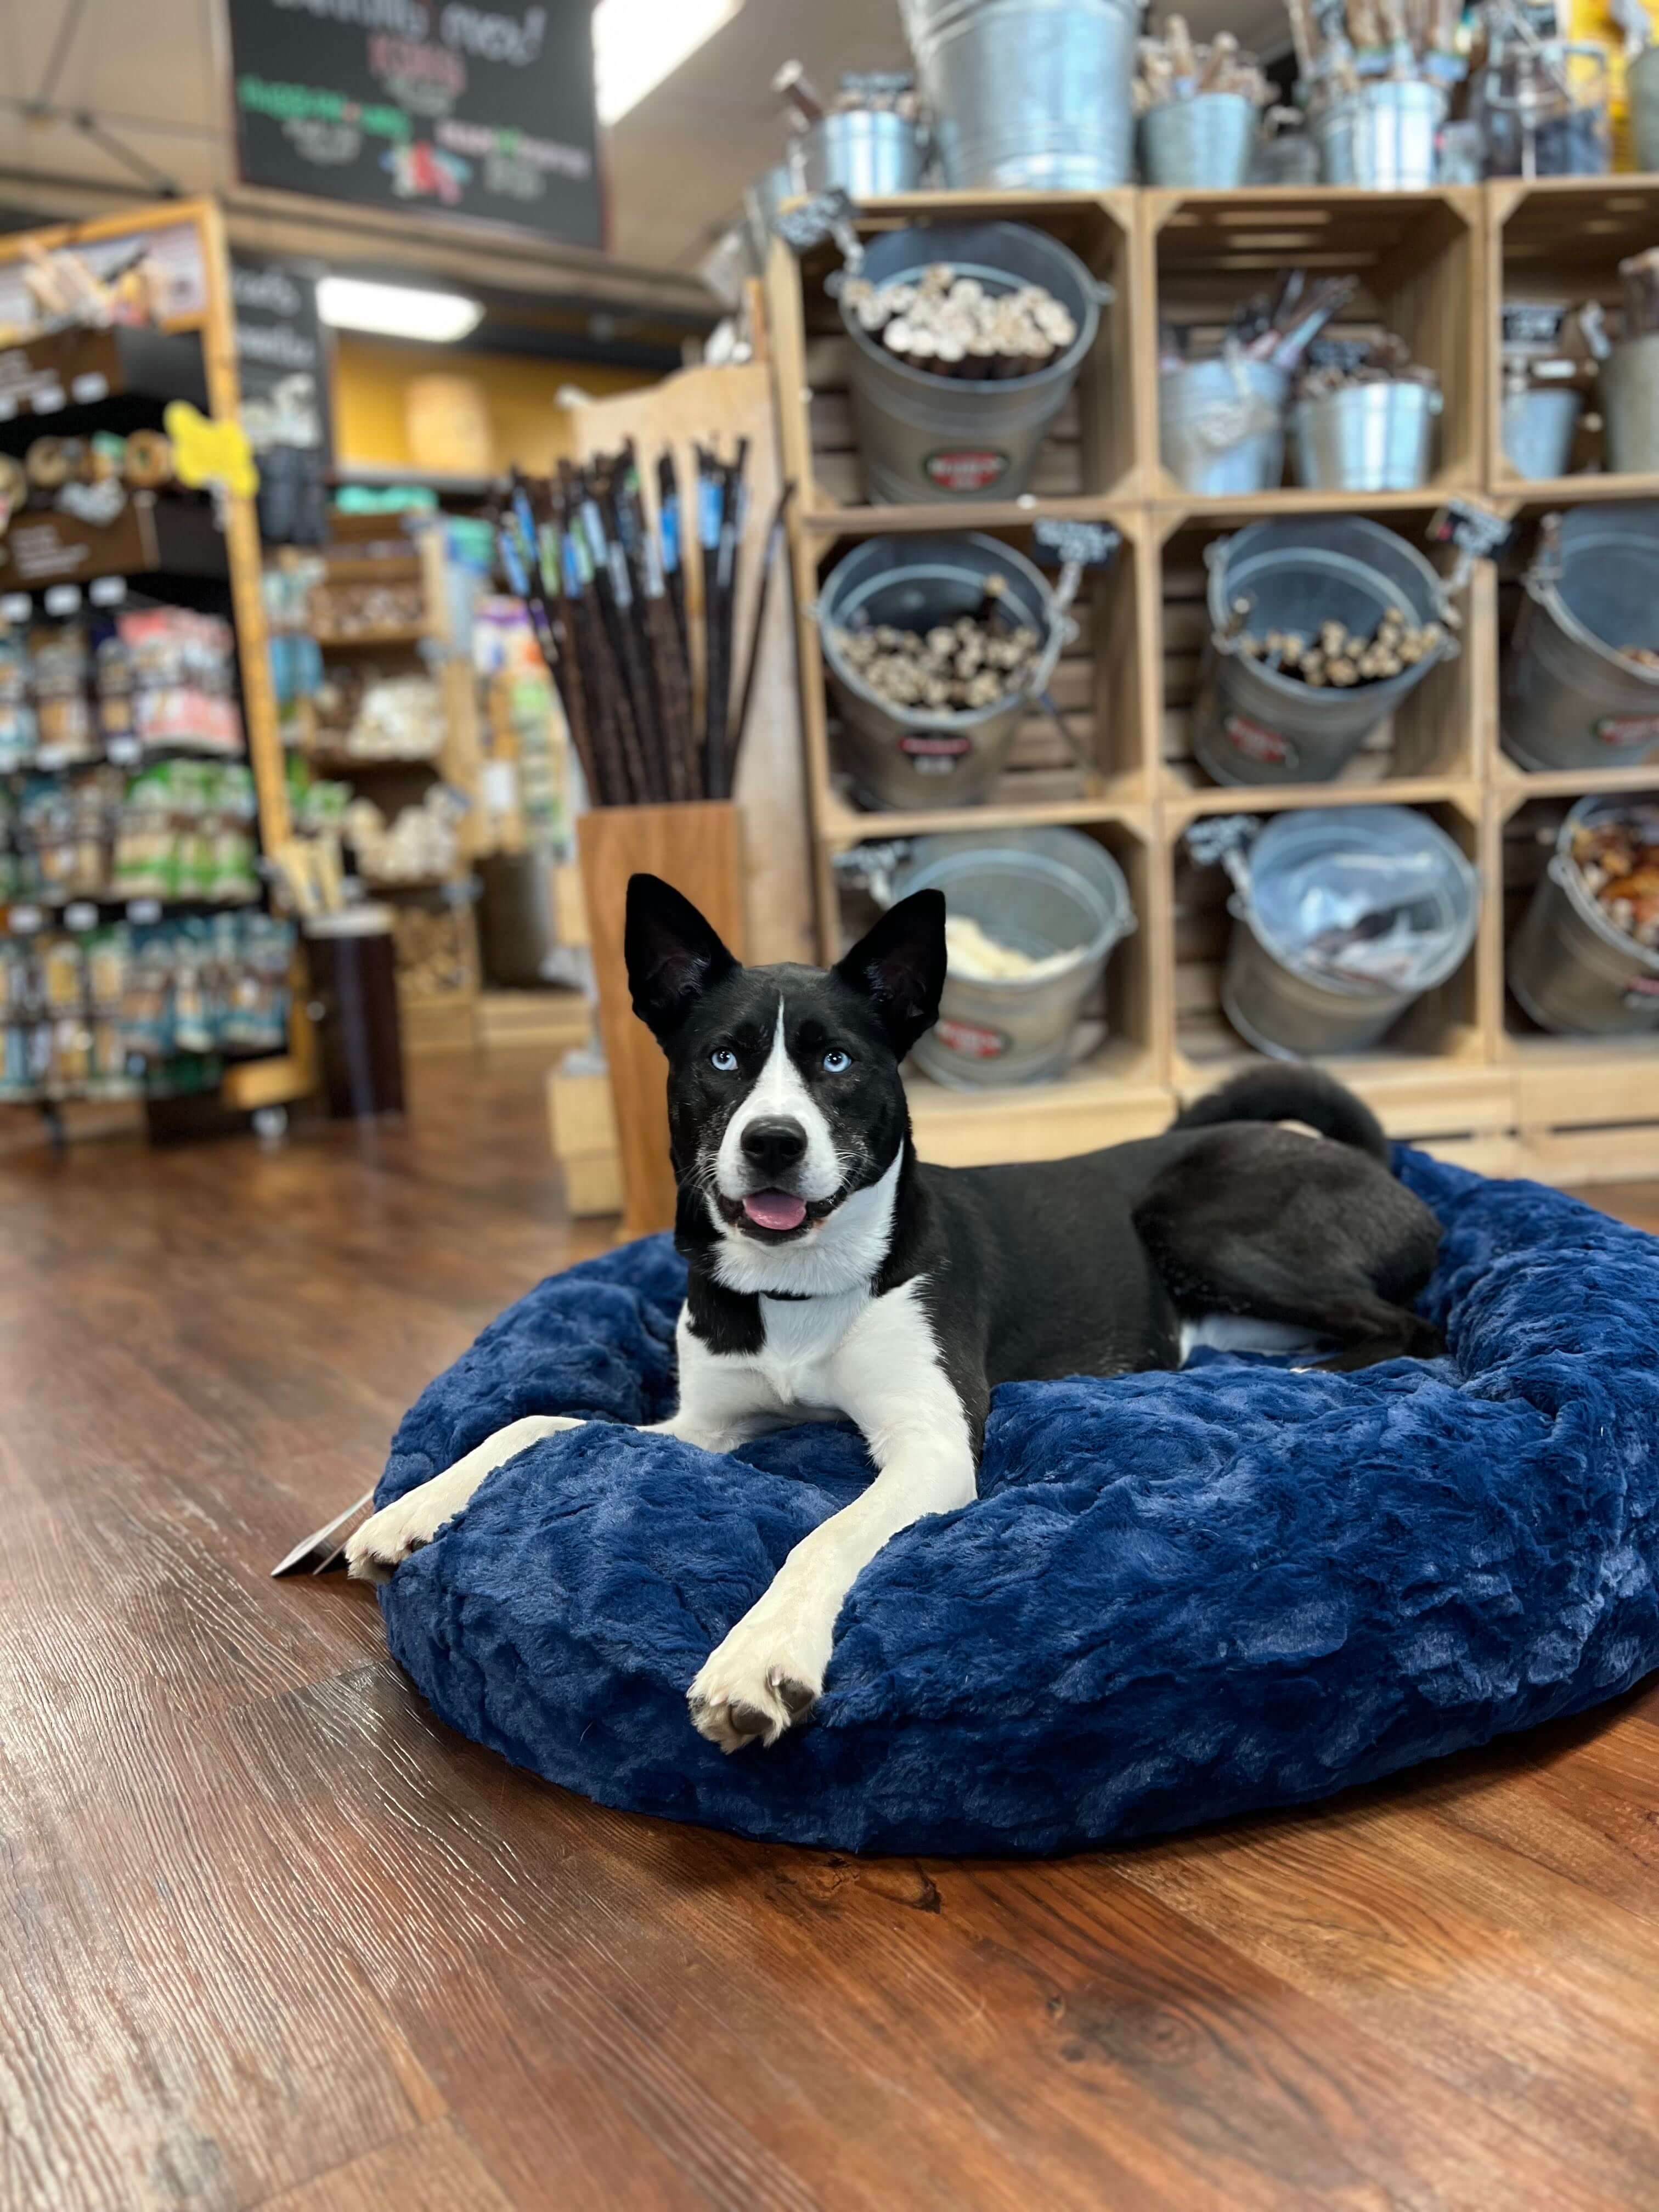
(1438, 743)
(1515, 782)
(1118, 1085)
(1561, 241)
(1418, 256)
(1449, 1023)
(1090, 454)
(1101, 763)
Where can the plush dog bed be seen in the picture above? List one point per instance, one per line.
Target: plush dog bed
(1179, 1596)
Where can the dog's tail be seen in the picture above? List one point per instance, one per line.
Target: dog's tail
(1290, 1093)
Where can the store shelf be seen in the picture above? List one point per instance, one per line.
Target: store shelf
(155, 535)
(410, 635)
(1454, 1077)
(843, 825)
(1113, 1096)
(1515, 785)
(1417, 257)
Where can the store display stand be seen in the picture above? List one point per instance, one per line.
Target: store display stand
(188, 234)
(1461, 1074)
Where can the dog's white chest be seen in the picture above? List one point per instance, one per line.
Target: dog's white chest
(804, 1339)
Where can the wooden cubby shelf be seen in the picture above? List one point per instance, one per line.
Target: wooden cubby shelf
(1417, 257)
(1464, 1072)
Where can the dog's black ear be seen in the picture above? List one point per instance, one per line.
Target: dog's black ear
(672, 955)
(899, 966)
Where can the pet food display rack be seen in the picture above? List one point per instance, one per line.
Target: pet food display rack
(187, 234)
(1462, 1074)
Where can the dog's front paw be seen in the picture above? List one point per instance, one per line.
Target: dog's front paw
(764, 1678)
(407, 1525)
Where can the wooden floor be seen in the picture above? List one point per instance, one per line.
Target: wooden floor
(271, 1936)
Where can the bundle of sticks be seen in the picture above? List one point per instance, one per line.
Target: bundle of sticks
(953, 667)
(953, 325)
(1279, 331)
(645, 675)
(1384, 360)
(1337, 655)
(1172, 68)
(886, 92)
(1338, 45)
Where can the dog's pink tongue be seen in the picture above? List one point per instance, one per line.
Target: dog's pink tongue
(774, 1209)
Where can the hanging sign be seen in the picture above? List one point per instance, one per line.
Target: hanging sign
(436, 105)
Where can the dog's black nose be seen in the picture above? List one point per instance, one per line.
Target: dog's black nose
(774, 1147)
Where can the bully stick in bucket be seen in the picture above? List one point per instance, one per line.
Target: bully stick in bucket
(966, 341)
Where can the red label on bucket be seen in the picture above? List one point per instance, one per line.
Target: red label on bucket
(934, 753)
(1258, 743)
(966, 468)
(1628, 730)
(971, 1040)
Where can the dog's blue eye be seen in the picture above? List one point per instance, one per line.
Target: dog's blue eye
(836, 1062)
(726, 1059)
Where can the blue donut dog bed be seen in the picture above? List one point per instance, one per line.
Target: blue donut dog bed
(1179, 1595)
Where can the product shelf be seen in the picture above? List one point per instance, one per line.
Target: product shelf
(1418, 256)
(1454, 1075)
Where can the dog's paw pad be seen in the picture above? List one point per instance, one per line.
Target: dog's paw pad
(799, 1698)
(735, 1703)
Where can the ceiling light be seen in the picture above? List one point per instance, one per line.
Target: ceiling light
(397, 311)
(638, 43)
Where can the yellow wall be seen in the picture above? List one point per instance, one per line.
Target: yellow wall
(528, 426)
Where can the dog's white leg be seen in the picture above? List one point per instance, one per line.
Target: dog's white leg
(721, 1403)
(770, 1670)
(415, 1518)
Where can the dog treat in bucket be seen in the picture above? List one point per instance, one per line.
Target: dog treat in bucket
(956, 326)
(1618, 862)
(1338, 656)
(975, 952)
(969, 662)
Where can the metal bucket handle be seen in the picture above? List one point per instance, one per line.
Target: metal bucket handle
(827, 215)
(1547, 567)
(1225, 840)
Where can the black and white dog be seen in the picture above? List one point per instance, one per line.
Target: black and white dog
(832, 1274)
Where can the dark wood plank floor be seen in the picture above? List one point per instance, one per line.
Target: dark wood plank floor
(271, 1936)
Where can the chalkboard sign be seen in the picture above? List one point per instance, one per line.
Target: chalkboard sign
(281, 363)
(438, 105)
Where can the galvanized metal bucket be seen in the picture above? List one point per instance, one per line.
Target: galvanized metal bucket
(1252, 724)
(1027, 95)
(927, 438)
(1208, 140)
(1569, 967)
(1221, 426)
(1642, 84)
(1369, 437)
(904, 756)
(1048, 893)
(866, 152)
(1382, 135)
(1537, 428)
(1629, 384)
(1570, 699)
(1331, 869)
